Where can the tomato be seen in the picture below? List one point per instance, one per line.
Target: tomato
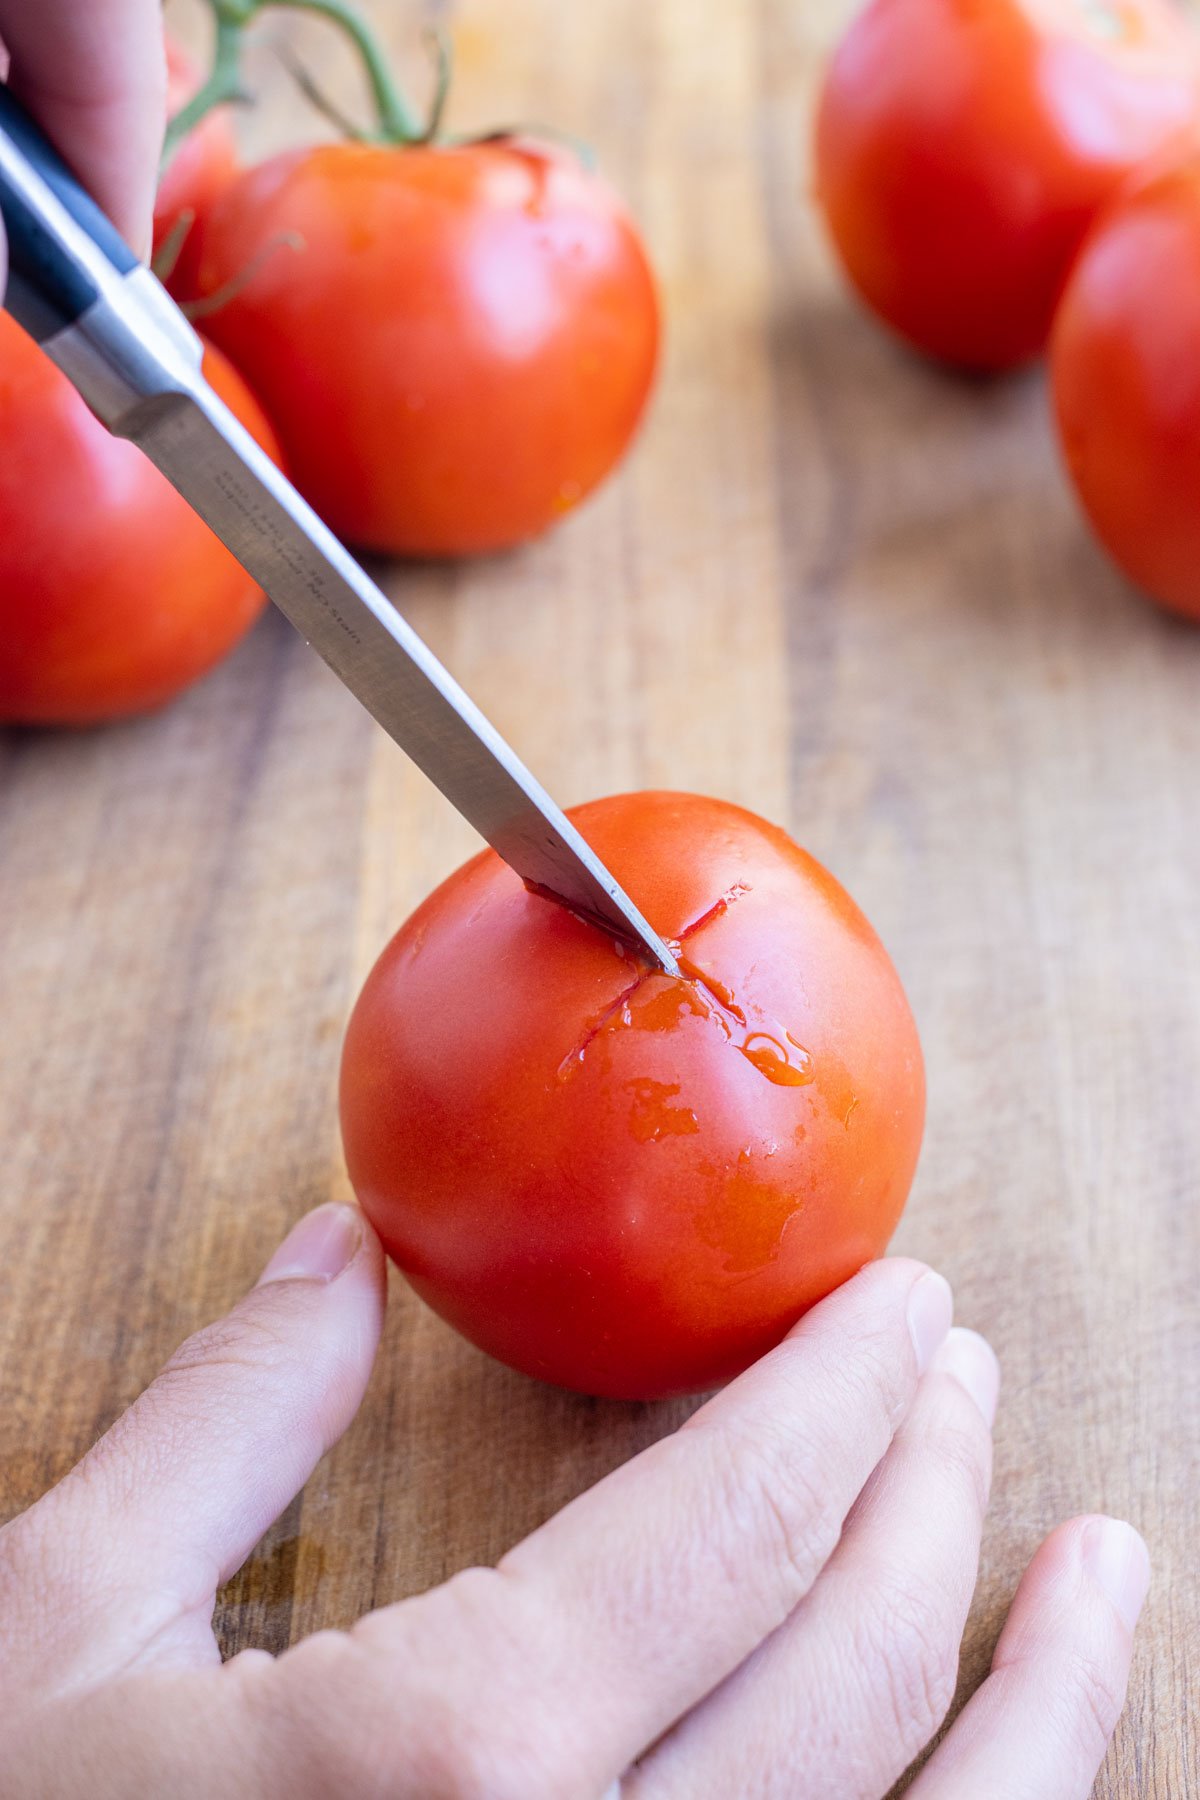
(1125, 370)
(965, 146)
(619, 1181)
(205, 162)
(113, 594)
(460, 351)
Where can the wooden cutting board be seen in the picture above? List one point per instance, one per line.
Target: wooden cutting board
(832, 584)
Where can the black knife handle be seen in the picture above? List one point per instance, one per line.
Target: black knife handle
(49, 286)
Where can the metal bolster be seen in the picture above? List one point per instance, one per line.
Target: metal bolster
(132, 345)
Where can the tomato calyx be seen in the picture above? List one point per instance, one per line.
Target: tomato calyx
(512, 135)
(166, 259)
(166, 255)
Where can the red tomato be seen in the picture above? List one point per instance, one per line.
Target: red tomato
(113, 594)
(205, 162)
(461, 350)
(965, 146)
(1125, 368)
(615, 1180)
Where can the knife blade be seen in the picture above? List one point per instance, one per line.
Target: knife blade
(119, 338)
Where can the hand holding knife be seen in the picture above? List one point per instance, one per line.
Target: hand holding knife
(109, 325)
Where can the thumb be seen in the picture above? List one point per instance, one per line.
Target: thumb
(129, 1550)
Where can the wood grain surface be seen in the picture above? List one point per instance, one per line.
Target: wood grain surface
(831, 584)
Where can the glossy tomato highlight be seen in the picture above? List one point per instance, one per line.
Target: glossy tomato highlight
(1125, 370)
(964, 147)
(113, 593)
(618, 1181)
(455, 344)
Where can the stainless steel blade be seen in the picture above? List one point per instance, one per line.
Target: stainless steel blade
(220, 470)
(136, 361)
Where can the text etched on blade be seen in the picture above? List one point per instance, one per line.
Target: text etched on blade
(264, 525)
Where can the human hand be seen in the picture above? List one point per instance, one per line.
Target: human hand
(766, 1603)
(95, 78)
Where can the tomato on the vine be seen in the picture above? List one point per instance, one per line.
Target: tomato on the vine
(457, 347)
(620, 1181)
(204, 163)
(965, 146)
(113, 593)
(1125, 369)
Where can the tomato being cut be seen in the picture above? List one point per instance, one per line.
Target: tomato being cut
(455, 343)
(1125, 366)
(619, 1181)
(965, 146)
(205, 162)
(113, 594)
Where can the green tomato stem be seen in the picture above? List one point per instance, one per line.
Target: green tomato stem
(443, 65)
(224, 83)
(397, 123)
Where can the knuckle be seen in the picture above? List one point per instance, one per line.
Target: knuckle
(32, 1566)
(877, 1376)
(784, 1514)
(509, 1749)
(923, 1671)
(963, 1445)
(910, 1638)
(472, 1766)
(253, 1334)
(476, 1733)
(206, 1381)
(320, 1699)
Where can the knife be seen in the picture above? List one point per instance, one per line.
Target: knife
(111, 327)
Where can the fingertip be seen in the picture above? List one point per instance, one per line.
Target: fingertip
(930, 1315)
(319, 1247)
(1117, 1559)
(969, 1359)
(886, 1277)
(1067, 1638)
(1090, 1555)
(896, 1289)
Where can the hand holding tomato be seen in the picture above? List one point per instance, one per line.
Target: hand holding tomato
(650, 1640)
(964, 147)
(616, 1180)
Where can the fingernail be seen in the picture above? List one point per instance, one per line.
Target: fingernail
(1117, 1559)
(930, 1310)
(972, 1362)
(317, 1249)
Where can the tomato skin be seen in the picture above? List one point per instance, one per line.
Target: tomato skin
(1125, 372)
(461, 350)
(648, 1217)
(113, 593)
(205, 162)
(964, 147)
